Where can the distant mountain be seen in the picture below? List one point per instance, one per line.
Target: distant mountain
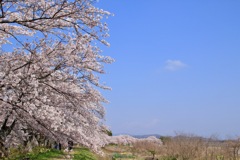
(146, 135)
(140, 136)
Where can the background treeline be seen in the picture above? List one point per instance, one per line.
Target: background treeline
(191, 147)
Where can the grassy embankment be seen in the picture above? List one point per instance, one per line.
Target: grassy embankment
(53, 154)
(111, 153)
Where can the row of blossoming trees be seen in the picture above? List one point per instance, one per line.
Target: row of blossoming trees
(49, 62)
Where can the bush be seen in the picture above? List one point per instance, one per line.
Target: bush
(118, 155)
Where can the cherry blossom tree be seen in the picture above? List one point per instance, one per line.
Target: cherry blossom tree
(49, 67)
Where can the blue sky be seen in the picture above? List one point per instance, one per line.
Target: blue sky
(177, 67)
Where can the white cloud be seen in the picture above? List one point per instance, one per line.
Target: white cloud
(174, 65)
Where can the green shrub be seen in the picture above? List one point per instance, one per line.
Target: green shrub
(220, 157)
(118, 155)
(109, 132)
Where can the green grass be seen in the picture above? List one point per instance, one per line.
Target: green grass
(83, 154)
(37, 154)
(48, 154)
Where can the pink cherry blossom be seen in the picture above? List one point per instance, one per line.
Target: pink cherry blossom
(48, 75)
